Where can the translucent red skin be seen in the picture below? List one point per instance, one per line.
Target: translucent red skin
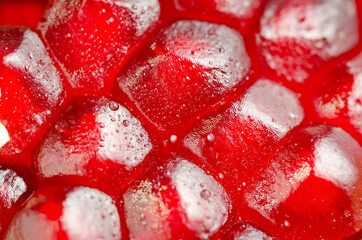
(306, 99)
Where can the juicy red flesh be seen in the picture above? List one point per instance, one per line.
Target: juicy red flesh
(311, 186)
(91, 40)
(238, 141)
(297, 38)
(27, 67)
(29, 14)
(187, 68)
(170, 119)
(178, 200)
(340, 102)
(96, 141)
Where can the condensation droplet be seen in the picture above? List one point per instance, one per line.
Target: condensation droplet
(173, 138)
(125, 123)
(114, 106)
(210, 138)
(205, 194)
(286, 223)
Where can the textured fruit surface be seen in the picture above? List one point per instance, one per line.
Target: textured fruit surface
(181, 120)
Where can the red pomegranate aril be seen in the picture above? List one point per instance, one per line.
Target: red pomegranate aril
(178, 200)
(237, 13)
(298, 38)
(31, 90)
(239, 140)
(337, 97)
(96, 142)
(14, 189)
(311, 188)
(66, 213)
(92, 39)
(187, 68)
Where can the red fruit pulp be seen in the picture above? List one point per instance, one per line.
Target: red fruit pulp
(91, 40)
(185, 119)
(177, 201)
(27, 67)
(238, 141)
(22, 12)
(312, 183)
(96, 140)
(211, 61)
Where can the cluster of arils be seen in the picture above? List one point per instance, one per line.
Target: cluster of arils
(181, 119)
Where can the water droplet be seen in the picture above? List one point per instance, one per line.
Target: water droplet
(173, 138)
(125, 123)
(210, 138)
(286, 223)
(114, 106)
(221, 176)
(205, 194)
